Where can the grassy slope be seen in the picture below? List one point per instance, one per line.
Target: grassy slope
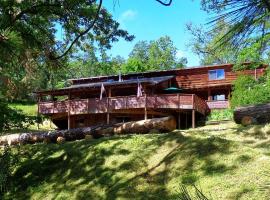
(27, 109)
(30, 110)
(229, 164)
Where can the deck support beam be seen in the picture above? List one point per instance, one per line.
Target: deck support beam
(179, 120)
(193, 118)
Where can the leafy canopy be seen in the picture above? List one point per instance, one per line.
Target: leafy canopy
(158, 54)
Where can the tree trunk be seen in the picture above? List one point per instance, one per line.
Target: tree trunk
(252, 114)
(164, 124)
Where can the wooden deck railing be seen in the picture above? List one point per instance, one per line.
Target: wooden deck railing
(219, 104)
(94, 105)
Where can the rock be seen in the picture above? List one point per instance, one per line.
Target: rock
(60, 140)
(89, 137)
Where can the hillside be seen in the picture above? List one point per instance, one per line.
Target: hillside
(226, 161)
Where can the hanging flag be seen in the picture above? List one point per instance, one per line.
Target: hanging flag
(102, 90)
(119, 77)
(139, 90)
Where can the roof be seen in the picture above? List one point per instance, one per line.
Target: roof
(153, 72)
(147, 81)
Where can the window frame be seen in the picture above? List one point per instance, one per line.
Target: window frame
(216, 74)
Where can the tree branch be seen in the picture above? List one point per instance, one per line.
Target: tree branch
(165, 4)
(267, 4)
(80, 35)
(33, 9)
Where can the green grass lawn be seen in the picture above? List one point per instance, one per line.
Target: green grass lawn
(27, 109)
(30, 109)
(225, 161)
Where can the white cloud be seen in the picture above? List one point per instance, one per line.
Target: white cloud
(128, 15)
(180, 54)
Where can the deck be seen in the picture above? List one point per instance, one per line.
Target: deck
(219, 104)
(117, 104)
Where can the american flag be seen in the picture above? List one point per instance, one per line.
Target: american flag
(139, 90)
(102, 90)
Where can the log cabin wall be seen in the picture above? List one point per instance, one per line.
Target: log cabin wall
(188, 78)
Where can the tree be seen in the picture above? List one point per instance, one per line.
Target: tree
(204, 44)
(162, 54)
(246, 18)
(154, 55)
(32, 26)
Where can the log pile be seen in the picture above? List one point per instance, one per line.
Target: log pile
(254, 114)
(164, 124)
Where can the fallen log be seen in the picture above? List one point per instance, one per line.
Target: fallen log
(164, 124)
(254, 114)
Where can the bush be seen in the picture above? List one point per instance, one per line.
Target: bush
(248, 91)
(7, 163)
(217, 115)
(11, 118)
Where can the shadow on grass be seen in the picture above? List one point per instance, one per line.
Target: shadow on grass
(79, 168)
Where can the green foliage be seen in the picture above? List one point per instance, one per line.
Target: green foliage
(147, 166)
(246, 19)
(34, 57)
(247, 91)
(5, 172)
(8, 161)
(217, 115)
(13, 119)
(204, 44)
(153, 55)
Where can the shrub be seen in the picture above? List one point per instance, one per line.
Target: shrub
(216, 115)
(11, 118)
(248, 91)
(8, 161)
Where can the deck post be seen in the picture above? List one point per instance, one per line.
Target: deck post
(179, 120)
(186, 120)
(108, 105)
(179, 114)
(193, 118)
(145, 107)
(209, 94)
(69, 122)
(38, 100)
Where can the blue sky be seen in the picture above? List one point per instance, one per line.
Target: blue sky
(149, 20)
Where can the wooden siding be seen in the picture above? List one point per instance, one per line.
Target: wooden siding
(187, 78)
(200, 78)
(114, 104)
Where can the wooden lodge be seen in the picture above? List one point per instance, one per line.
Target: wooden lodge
(188, 94)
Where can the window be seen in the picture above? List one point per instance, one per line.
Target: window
(219, 97)
(217, 74)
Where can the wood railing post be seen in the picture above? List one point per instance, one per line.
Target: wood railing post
(193, 111)
(193, 118)
(88, 106)
(38, 100)
(179, 113)
(108, 105)
(145, 107)
(193, 99)
(108, 110)
(69, 122)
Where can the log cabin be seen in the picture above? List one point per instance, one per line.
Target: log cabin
(188, 94)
